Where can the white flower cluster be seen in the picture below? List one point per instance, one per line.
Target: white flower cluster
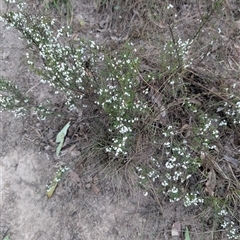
(233, 232)
(177, 53)
(117, 97)
(180, 165)
(192, 199)
(232, 110)
(184, 47)
(10, 1)
(63, 65)
(151, 174)
(208, 131)
(12, 99)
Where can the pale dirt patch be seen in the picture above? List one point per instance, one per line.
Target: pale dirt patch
(28, 214)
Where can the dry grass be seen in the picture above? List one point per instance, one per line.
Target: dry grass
(208, 82)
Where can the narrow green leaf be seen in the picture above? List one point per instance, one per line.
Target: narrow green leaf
(60, 138)
(52, 186)
(6, 238)
(59, 148)
(187, 236)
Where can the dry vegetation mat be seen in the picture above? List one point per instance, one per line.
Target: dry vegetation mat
(152, 93)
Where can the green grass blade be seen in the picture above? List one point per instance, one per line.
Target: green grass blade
(187, 236)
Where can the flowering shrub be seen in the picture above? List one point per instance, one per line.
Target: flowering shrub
(64, 70)
(63, 65)
(118, 98)
(12, 98)
(177, 55)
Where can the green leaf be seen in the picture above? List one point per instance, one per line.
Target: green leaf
(187, 236)
(52, 186)
(60, 138)
(6, 238)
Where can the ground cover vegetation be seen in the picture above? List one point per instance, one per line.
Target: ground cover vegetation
(166, 97)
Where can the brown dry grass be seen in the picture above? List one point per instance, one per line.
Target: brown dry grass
(215, 31)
